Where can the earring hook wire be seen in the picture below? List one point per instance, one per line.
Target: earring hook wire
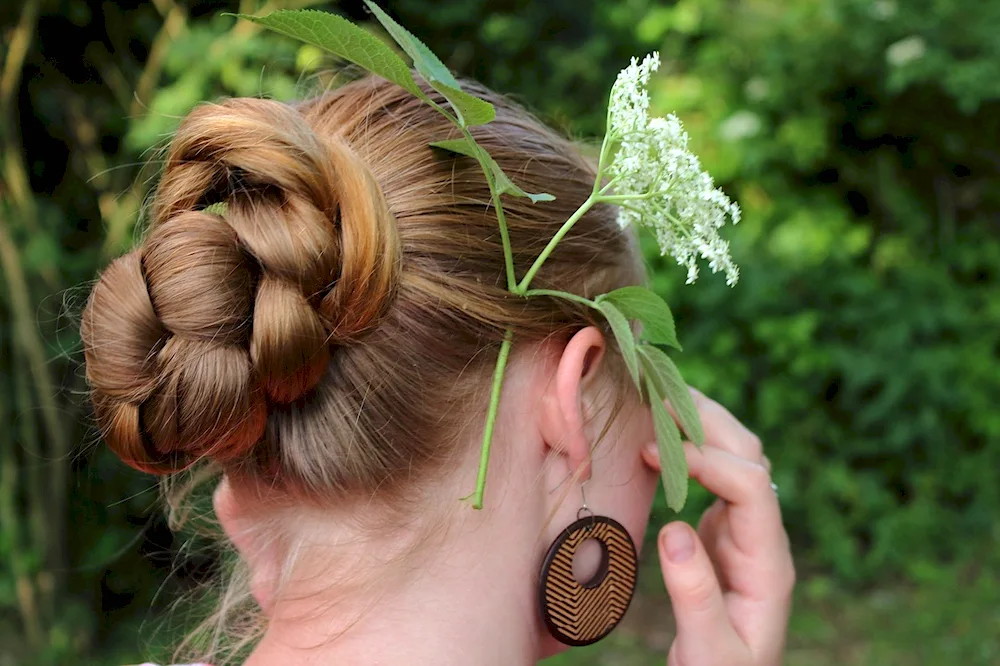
(584, 510)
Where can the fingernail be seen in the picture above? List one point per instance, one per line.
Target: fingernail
(679, 542)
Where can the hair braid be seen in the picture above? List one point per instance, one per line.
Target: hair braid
(215, 315)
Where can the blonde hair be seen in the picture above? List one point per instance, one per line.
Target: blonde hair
(330, 329)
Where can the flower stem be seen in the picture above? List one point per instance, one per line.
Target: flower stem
(606, 144)
(608, 185)
(598, 194)
(522, 287)
(561, 294)
(491, 418)
(619, 198)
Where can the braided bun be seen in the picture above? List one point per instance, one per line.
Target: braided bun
(189, 337)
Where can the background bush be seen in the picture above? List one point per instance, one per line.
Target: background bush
(862, 138)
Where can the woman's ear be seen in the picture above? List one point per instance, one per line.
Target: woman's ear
(565, 406)
(239, 528)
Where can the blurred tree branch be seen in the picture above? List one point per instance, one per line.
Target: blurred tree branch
(174, 23)
(48, 534)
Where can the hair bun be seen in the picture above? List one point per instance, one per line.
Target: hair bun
(188, 337)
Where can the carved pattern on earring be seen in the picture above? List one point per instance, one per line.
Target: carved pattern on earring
(583, 613)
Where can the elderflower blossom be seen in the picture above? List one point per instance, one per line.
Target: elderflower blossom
(659, 183)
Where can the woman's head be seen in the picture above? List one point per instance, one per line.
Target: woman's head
(319, 299)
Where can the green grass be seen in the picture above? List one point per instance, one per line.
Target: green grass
(951, 618)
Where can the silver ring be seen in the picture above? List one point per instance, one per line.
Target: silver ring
(774, 487)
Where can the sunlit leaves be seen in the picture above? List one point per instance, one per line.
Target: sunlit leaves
(470, 110)
(342, 38)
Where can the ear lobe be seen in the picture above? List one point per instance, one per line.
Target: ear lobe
(564, 418)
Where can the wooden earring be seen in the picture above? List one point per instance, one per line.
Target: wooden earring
(584, 613)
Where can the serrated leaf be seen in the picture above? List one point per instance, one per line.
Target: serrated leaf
(646, 306)
(462, 146)
(666, 378)
(424, 60)
(624, 337)
(342, 38)
(218, 208)
(504, 184)
(470, 109)
(673, 464)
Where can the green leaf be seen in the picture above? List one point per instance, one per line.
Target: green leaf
(662, 374)
(428, 64)
(673, 464)
(218, 208)
(342, 38)
(646, 306)
(470, 109)
(504, 185)
(626, 340)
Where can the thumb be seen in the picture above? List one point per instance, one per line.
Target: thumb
(705, 635)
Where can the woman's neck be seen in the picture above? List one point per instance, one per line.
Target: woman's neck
(466, 598)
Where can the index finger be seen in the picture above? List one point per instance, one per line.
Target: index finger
(755, 516)
(724, 431)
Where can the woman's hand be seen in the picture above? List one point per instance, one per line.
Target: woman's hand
(731, 582)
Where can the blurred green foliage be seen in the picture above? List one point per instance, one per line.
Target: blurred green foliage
(862, 345)
(862, 138)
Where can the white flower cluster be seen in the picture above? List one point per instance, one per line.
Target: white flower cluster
(659, 183)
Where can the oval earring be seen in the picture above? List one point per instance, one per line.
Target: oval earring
(583, 613)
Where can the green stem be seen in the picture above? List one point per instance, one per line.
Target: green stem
(561, 294)
(508, 254)
(522, 288)
(597, 195)
(605, 148)
(491, 418)
(619, 198)
(512, 286)
(608, 185)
